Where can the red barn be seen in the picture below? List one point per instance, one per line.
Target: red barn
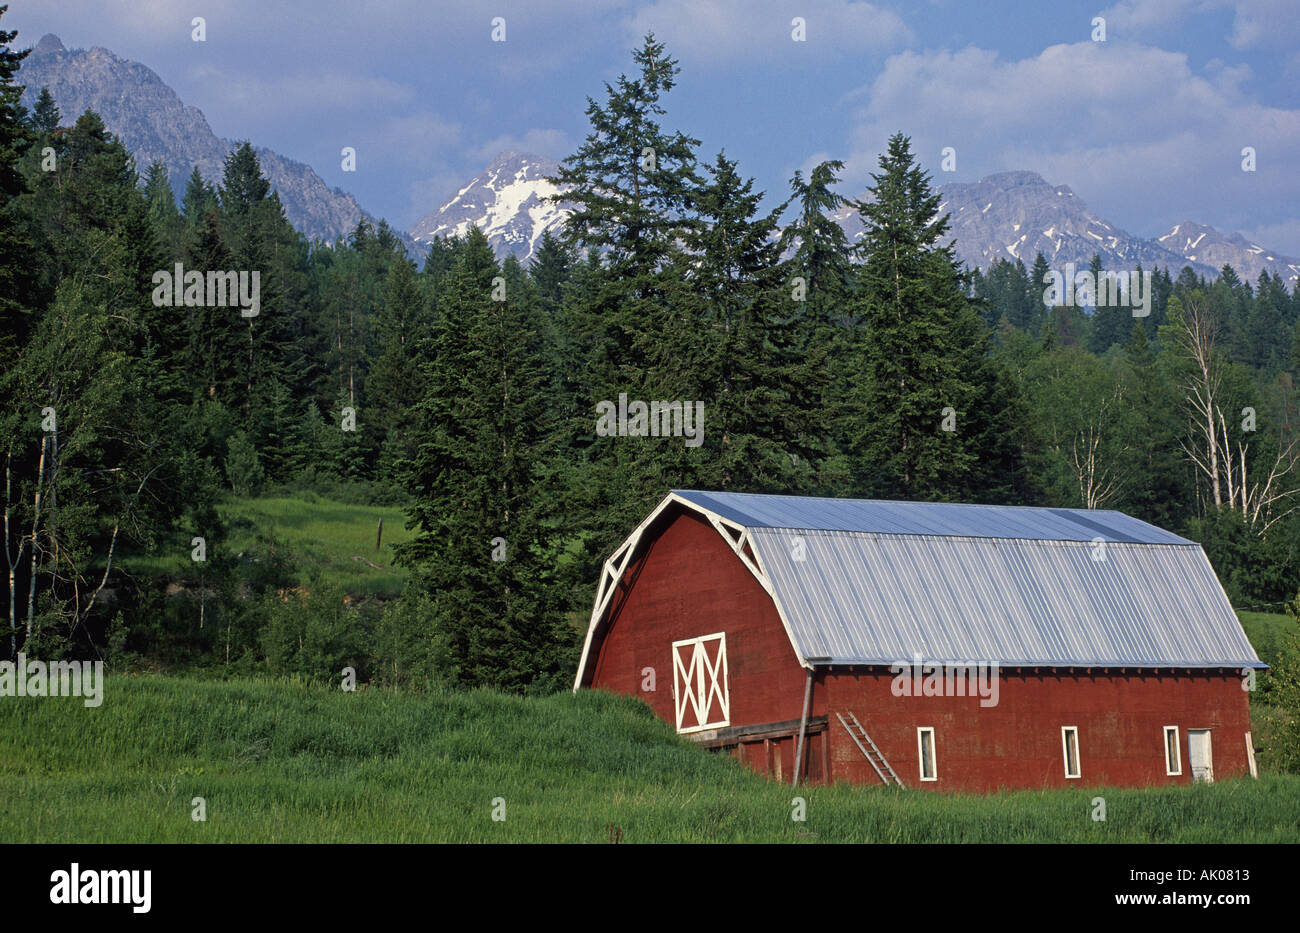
(933, 645)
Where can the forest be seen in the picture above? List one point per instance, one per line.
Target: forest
(468, 391)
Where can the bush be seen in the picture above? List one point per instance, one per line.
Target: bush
(243, 468)
(1285, 679)
(311, 632)
(408, 652)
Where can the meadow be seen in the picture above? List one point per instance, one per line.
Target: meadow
(286, 761)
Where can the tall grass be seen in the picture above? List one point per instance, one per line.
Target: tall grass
(279, 761)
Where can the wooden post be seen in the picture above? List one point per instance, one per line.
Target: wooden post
(379, 534)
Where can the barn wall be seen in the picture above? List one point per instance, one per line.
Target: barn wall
(690, 583)
(1017, 744)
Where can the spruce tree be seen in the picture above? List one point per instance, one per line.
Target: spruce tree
(914, 302)
(45, 115)
(16, 274)
(480, 553)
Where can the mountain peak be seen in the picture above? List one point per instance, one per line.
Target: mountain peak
(509, 201)
(49, 43)
(1018, 179)
(155, 125)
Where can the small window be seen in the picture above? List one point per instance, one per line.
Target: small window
(1070, 741)
(925, 751)
(1173, 752)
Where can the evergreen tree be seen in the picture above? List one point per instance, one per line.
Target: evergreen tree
(1111, 323)
(395, 384)
(45, 115)
(913, 299)
(760, 390)
(481, 554)
(550, 269)
(163, 215)
(821, 256)
(631, 183)
(16, 279)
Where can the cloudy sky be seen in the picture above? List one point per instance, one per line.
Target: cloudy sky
(1146, 127)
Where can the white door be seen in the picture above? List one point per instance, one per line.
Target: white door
(700, 683)
(1198, 749)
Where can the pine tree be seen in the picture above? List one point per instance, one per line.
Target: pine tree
(821, 256)
(549, 270)
(631, 183)
(633, 188)
(480, 552)
(761, 391)
(913, 301)
(395, 383)
(163, 214)
(1111, 324)
(45, 115)
(16, 274)
(199, 198)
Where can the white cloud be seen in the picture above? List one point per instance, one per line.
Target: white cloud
(294, 95)
(1143, 139)
(553, 144)
(730, 31)
(1272, 24)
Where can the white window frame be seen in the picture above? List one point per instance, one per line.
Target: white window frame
(1065, 752)
(707, 684)
(1177, 768)
(920, 753)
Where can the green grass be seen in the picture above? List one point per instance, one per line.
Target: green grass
(284, 762)
(325, 536)
(1269, 633)
(335, 539)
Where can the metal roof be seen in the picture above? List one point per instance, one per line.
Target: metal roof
(929, 518)
(872, 598)
(872, 582)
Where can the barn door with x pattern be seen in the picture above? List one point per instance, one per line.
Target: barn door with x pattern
(700, 683)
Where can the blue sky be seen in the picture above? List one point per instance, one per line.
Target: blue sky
(1147, 127)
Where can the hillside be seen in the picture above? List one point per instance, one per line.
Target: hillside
(283, 762)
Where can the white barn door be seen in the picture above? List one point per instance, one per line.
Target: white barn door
(700, 683)
(1199, 750)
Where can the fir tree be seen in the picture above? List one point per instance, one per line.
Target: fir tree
(913, 301)
(45, 115)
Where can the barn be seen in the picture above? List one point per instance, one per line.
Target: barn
(940, 646)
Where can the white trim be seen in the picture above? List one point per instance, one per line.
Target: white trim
(1177, 767)
(1065, 751)
(613, 569)
(1250, 756)
(765, 580)
(610, 576)
(705, 676)
(920, 753)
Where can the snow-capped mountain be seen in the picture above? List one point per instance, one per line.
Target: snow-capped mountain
(1209, 247)
(1009, 215)
(507, 201)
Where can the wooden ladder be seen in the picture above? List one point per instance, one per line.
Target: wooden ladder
(868, 749)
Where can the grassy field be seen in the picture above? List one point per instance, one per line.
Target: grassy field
(332, 538)
(283, 762)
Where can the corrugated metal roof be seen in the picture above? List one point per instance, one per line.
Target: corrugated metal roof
(881, 582)
(929, 518)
